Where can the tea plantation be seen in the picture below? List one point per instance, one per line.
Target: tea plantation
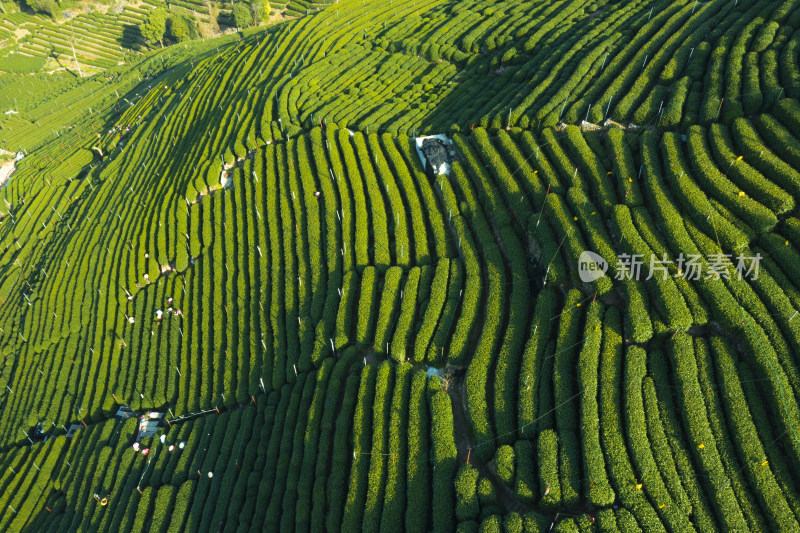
(340, 340)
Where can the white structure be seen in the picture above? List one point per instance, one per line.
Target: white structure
(442, 167)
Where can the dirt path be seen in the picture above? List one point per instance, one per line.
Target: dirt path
(505, 496)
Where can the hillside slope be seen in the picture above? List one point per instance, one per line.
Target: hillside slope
(255, 203)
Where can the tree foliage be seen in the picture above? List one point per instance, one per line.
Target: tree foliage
(242, 15)
(154, 28)
(183, 27)
(51, 7)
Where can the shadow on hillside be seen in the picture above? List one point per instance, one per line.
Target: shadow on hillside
(152, 72)
(131, 36)
(471, 93)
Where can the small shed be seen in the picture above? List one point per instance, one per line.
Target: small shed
(436, 154)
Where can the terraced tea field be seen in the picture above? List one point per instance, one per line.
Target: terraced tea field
(340, 341)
